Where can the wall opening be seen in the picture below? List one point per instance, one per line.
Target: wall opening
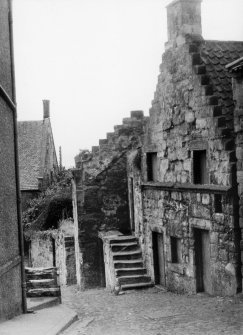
(202, 260)
(132, 204)
(101, 263)
(200, 175)
(53, 241)
(159, 258)
(218, 203)
(175, 249)
(70, 260)
(152, 166)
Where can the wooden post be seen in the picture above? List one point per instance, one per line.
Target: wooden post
(76, 239)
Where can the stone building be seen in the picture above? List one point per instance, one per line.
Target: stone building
(37, 155)
(236, 70)
(101, 192)
(12, 288)
(181, 171)
(184, 204)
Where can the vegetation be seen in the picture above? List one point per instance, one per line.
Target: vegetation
(51, 206)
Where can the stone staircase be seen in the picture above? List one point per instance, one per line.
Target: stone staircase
(128, 263)
(42, 282)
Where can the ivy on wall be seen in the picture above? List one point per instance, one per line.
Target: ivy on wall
(51, 206)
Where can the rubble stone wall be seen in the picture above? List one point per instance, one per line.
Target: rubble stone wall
(187, 116)
(102, 196)
(238, 126)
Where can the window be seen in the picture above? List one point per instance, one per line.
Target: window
(218, 203)
(152, 166)
(175, 249)
(200, 167)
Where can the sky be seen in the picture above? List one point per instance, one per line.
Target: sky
(97, 60)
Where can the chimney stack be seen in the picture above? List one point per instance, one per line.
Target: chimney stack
(183, 18)
(46, 109)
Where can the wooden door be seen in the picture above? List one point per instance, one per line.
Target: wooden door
(202, 261)
(159, 258)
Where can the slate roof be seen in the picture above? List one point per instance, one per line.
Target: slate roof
(30, 135)
(216, 55)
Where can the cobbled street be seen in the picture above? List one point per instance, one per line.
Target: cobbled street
(152, 312)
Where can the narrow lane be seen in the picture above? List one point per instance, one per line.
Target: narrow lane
(153, 312)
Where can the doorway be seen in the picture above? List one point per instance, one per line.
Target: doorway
(202, 260)
(159, 258)
(132, 205)
(101, 263)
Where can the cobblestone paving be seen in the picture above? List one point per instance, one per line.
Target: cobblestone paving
(153, 312)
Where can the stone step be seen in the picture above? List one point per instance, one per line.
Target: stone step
(196, 59)
(39, 283)
(193, 48)
(126, 264)
(132, 279)
(125, 255)
(122, 239)
(200, 69)
(44, 292)
(124, 244)
(136, 286)
(130, 272)
(38, 276)
(128, 246)
(37, 303)
(40, 273)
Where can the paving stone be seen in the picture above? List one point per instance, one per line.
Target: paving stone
(152, 312)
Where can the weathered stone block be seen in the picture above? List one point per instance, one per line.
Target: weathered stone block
(239, 153)
(189, 116)
(200, 223)
(200, 212)
(214, 237)
(205, 199)
(201, 123)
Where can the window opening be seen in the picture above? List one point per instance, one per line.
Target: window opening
(218, 203)
(175, 249)
(152, 166)
(200, 167)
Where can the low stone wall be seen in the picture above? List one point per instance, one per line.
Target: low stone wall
(55, 248)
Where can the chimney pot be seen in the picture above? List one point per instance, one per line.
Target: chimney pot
(183, 18)
(46, 109)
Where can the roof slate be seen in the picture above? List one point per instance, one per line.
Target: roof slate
(30, 150)
(216, 55)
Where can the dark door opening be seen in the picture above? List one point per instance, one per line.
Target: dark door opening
(159, 258)
(70, 260)
(54, 251)
(132, 205)
(202, 260)
(101, 263)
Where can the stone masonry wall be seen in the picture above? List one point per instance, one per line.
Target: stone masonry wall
(10, 255)
(187, 116)
(238, 126)
(102, 196)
